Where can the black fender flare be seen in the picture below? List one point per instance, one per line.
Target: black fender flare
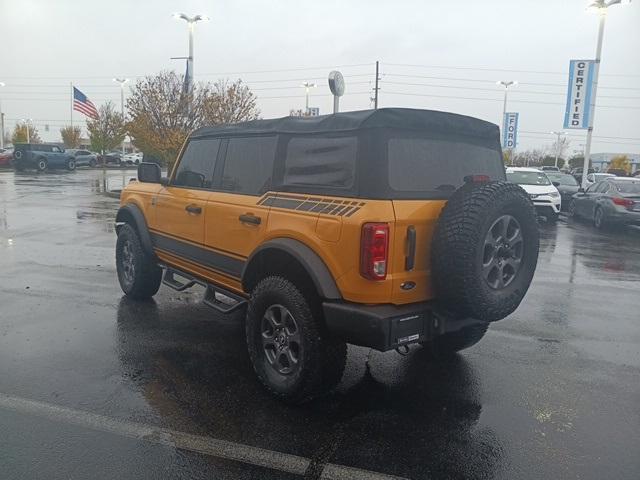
(131, 213)
(310, 261)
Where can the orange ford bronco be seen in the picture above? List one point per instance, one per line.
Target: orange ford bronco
(380, 228)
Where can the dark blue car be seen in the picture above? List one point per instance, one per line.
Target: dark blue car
(41, 156)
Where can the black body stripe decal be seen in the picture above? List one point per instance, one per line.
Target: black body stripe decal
(200, 255)
(326, 206)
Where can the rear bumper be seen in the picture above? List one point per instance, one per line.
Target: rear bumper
(621, 216)
(385, 327)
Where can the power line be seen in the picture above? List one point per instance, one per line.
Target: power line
(499, 100)
(509, 70)
(494, 90)
(477, 80)
(296, 69)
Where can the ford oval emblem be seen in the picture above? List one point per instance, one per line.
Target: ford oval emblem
(407, 285)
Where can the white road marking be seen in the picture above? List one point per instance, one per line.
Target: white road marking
(239, 452)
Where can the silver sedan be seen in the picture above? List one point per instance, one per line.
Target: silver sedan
(614, 200)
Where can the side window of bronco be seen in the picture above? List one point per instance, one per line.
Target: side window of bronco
(248, 166)
(197, 164)
(321, 161)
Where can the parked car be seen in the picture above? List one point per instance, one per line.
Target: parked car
(6, 155)
(84, 158)
(110, 158)
(547, 168)
(133, 158)
(612, 201)
(41, 156)
(543, 193)
(566, 184)
(597, 177)
(281, 220)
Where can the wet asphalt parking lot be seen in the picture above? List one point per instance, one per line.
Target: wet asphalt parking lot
(95, 386)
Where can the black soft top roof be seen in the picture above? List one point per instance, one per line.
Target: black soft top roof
(392, 118)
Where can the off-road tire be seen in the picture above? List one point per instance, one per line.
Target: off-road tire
(71, 165)
(572, 209)
(147, 275)
(458, 250)
(92, 163)
(450, 343)
(18, 154)
(41, 164)
(322, 358)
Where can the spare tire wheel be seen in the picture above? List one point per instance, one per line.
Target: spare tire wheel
(485, 250)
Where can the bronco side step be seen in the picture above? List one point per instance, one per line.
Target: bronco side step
(219, 298)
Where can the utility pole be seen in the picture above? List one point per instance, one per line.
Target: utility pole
(121, 81)
(307, 86)
(26, 123)
(559, 134)
(600, 7)
(377, 88)
(191, 21)
(1, 121)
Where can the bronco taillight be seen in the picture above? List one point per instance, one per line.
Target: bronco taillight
(374, 251)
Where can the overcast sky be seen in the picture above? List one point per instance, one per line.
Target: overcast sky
(458, 50)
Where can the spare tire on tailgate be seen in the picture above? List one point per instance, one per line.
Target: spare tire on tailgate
(485, 250)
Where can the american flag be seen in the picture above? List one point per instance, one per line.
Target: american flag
(83, 105)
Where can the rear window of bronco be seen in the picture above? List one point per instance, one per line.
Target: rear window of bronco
(437, 165)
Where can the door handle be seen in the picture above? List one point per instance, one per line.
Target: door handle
(248, 218)
(195, 209)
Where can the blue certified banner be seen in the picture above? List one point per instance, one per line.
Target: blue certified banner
(510, 130)
(580, 98)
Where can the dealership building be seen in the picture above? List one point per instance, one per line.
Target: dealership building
(600, 161)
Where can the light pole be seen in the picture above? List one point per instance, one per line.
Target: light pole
(1, 121)
(307, 86)
(121, 81)
(559, 134)
(506, 84)
(191, 21)
(600, 7)
(26, 122)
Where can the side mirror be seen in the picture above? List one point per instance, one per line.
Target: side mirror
(556, 184)
(581, 190)
(149, 172)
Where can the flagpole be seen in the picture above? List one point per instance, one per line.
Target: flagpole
(71, 105)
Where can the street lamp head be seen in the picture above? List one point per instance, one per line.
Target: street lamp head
(600, 6)
(191, 20)
(507, 83)
(121, 81)
(182, 16)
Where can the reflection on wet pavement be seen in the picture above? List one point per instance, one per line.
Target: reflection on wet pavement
(552, 391)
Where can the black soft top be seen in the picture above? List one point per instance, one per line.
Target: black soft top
(391, 118)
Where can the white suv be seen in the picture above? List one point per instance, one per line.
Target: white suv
(541, 190)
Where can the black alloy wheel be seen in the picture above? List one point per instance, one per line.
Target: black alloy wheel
(281, 341)
(502, 255)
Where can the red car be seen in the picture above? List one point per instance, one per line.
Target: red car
(5, 157)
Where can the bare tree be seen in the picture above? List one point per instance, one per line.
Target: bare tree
(529, 158)
(162, 114)
(230, 103)
(71, 136)
(108, 130)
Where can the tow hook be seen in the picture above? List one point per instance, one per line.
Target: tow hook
(403, 350)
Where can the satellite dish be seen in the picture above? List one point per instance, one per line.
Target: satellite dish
(336, 83)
